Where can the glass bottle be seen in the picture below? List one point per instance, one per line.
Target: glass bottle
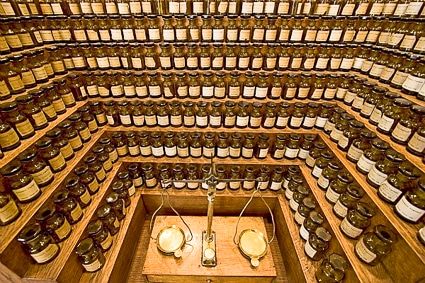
(310, 224)
(108, 218)
(100, 235)
(357, 220)
(182, 145)
(38, 243)
(332, 269)
(23, 186)
(248, 146)
(318, 243)
(9, 210)
(375, 245)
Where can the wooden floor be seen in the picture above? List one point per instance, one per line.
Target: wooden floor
(135, 274)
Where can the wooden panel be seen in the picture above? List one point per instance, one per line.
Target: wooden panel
(195, 202)
(299, 267)
(230, 263)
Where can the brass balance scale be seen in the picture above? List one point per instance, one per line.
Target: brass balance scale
(171, 239)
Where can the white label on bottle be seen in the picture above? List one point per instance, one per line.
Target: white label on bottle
(362, 8)
(335, 35)
(309, 122)
(291, 152)
(390, 192)
(296, 35)
(293, 204)
(354, 152)
(323, 182)
(413, 83)
(317, 93)
(242, 121)
(340, 209)
(154, 34)
(196, 151)
(387, 73)
(146, 150)
(296, 122)
(417, 143)
(147, 7)
(331, 195)
(336, 134)
(322, 36)
(45, 255)
(150, 120)
(420, 44)
(208, 152)
(296, 63)
(408, 210)
(317, 171)
(408, 42)
(215, 121)
(376, 70)
(357, 103)
(413, 8)
(385, 123)
(229, 121)
(299, 218)
(399, 78)
(150, 183)
(9, 211)
(76, 212)
(309, 250)
(222, 152)
(401, 132)
(302, 154)
(255, 122)
(320, 121)
(349, 229)
(289, 194)
(363, 252)
(157, 151)
(140, 34)
(304, 233)
(283, 8)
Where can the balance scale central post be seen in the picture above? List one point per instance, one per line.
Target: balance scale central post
(209, 255)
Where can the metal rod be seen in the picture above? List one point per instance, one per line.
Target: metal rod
(210, 214)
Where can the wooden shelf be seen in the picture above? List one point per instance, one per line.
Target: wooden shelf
(9, 232)
(117, 246)
(52, 269)
(203, 160)
(364, 273)
(415, 160)
(9, 155)
(406, 230)
(27, 50)
(284, 217)
(36, 87)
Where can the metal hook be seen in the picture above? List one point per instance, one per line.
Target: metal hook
(257, 190)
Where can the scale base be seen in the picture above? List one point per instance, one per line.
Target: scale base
(209, 251)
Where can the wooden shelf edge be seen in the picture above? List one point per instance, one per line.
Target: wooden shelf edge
(27, 50)
(10, 155)
(406, 230)
(204, 160)
(285, 130)
(364, 273)
(104, 274)
(53, 269)
(9, 232)
(415, 160)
